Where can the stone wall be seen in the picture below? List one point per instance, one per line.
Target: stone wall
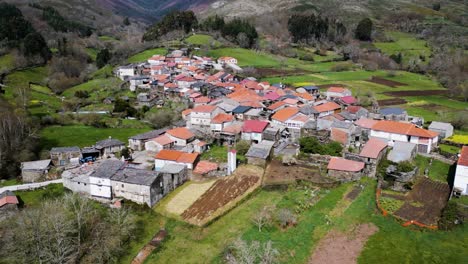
(344, 176)
(32, 175)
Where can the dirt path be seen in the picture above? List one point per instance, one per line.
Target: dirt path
(340, 248)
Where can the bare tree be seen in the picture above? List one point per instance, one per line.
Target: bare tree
(262, 218)
(241, 252)
(286, 217)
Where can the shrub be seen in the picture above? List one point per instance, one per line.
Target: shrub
(341, 66)
(450, 216)
(364, 30)
(405, 166)
(313, 146)
(242, 147)
(81, 94)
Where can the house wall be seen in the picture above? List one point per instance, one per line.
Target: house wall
(135, 144)
(256, 161)
(252, 136)
(345, 176)
(140, 194)
(32, 175)
(76, 186)
(178, 141)
(123, 72)
(63, 158)
(100, 187)
(461, 178)
(112, 150)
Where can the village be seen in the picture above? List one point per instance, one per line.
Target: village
(281, 128)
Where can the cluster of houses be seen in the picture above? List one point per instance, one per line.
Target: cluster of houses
(226, 109)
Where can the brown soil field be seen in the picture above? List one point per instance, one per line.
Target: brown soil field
(277, 173)
(223, 195)
(340, 248)
(380, 80)
(416, 93)
(270, 72)
(393, 101)
(424, 203)
(353, 194)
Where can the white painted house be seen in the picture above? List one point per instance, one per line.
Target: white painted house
(337, 92)
(227, 60)
(253, 130)
(126, 71)
(220, 121)
(100, 179)
(175, 157)
(461, 175)
(203, 114)
(392, 131)
(181, 136)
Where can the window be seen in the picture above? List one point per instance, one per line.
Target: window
(122, 185)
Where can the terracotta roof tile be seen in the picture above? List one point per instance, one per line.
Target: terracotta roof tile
(372, 148)
(222, 118)
(463, 160)
(329, 106)
(204, 167)
(345, 165)
(403, 129)
(336, 89)
(366, 122)
(285, 114)
(339, 135)
(168, 154)
(163, 140)
(181, 132)
(188, 157)
(204, 108)
(276, 105)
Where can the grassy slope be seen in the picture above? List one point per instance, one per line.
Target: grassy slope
(6, 62)
(406, 44)
(60, 136)
(202, 40)
(143, 56)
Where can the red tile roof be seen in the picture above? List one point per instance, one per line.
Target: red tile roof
(285, 113)
(291, 101)
(353, 109)
(463, 160)
(345, 165)
(403, 129)
(329, 106)
(336, 89)
(233, 129)
(188, 157)
(204, 108)
(168, 154)
(254, 126)
(177, 156)
(8, 200)
(222, 118)
(348, 99)
(366, 122)
(163, 140)
(180, 132)
(201, 100)
(186, 112)
(372, 148)
(339, 135)
(204, 167)
(276, 105)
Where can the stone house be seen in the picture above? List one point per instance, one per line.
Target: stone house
(259, 154)
(337, 92)
(345, 170)
(137, 142)
(33, 171)
(100, 178)
(181, 136)
(159, 143)
(8, 201)
(109, 146)
(62, 156)
(372, 153)
(445, 130)
(394, 113)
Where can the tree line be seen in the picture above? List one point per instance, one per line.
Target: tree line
(17, 32)
(237, 30)
(304, 28)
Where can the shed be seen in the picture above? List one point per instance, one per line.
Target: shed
(445, 130)
(345, 170)
(63, 155)
(8, 201)
(402, 151)
(33, 171)
(258, 154)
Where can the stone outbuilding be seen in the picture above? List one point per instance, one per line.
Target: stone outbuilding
(33, 171)
(64, 155)
(260, 153)
(8, 201)
(445, 130)
(109, 146)
(345, 170)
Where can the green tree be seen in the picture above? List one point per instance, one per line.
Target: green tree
(102, 58)
(126, 21)
(364, 30)
(242, 147)
(35, 44)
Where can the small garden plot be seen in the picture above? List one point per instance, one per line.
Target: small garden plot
(382, 81)
(393, 101)
(424, 202)
(459, 139)
(223, 195)
(337, 247)
(185, 198)
(278, 174)
(416, 93)
(270, 72)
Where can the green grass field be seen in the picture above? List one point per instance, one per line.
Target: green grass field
(246, 57)
(408, 45)
(107, 38)
(92, 53)
(145, 55)
(82, 136)
(7, 62)
(202, 40)
(95, 87)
